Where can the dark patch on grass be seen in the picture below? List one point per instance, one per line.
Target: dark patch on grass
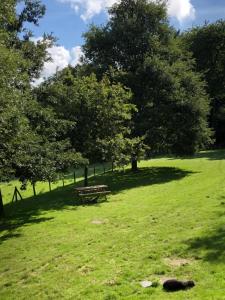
(210, 155)
(119, 180)
(212, 246)
(27, 211)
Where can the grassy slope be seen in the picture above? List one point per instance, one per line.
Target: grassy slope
(172, 208)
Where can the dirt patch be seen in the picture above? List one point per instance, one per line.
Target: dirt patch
(110, 282)
(177, 262)
(84, 270)
(97, 222)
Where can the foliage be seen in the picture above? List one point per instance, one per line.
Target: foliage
(99, 111)
(138, 48)
(32, 146)
(207, 43)
(13, 123)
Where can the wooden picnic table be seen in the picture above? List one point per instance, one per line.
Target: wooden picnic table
(92, 193)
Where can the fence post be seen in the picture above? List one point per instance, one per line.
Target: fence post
(16, 194)
(112, 166)
(94, 171)
(74, 177)
(63, 181)
(86, 176)
(2, 214)
(49, 184)
(104, 167)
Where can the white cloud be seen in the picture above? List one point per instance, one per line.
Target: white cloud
(76, 54)
(60, 59)
(89, 8)
(180, 9)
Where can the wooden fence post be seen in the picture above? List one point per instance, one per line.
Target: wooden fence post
(16, 194)
(74, 177)
(86, 176)
(2, 214)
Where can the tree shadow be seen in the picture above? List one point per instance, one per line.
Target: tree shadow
(27, 211)
(119, 180)
(30, 210)
(210, 155)
(210, 247)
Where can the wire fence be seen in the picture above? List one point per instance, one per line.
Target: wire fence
(11, 191)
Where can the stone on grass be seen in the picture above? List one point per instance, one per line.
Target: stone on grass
(146, 283)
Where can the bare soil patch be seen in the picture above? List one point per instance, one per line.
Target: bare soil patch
(177, 262)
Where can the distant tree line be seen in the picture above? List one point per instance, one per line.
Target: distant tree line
(142, 89)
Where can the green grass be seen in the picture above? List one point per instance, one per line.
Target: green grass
(170, 209)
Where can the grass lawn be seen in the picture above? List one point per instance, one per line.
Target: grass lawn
(165, 221)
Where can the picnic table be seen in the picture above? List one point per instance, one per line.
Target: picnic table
(92, 193)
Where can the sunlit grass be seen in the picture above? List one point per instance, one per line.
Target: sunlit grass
(172, 209)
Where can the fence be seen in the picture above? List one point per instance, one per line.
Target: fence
(11, 191)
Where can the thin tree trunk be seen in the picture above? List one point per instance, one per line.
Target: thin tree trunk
(86, 176)
(2, 214)
(134, 166)
(50, 186)
(34, 189)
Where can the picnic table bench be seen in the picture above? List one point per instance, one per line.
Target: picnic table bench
(92, 193)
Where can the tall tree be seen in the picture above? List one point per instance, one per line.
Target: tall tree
(141, 48)
(31, 144)
(207, 43)
(99, 111)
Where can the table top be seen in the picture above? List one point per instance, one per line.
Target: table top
(94, 187)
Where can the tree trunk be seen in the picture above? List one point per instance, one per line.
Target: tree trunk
(2, 214)
(34, 189)
(134, 166)
(49, 185)
(86, 176)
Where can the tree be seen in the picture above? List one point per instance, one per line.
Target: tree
(33, 144)
(138, 48)
(99, 111)
(207, 43)
(13, 24)
(12, 103)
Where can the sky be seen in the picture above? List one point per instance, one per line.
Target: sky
(69, 19)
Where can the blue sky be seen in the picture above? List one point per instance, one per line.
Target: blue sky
(69, 19)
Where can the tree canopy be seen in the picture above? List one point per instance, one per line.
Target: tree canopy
(207, 43)
(145, 54)
(99, 112)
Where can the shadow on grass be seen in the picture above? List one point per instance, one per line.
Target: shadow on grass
(210, 155)
(119, 180)
(210, 247)
(28, 211)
